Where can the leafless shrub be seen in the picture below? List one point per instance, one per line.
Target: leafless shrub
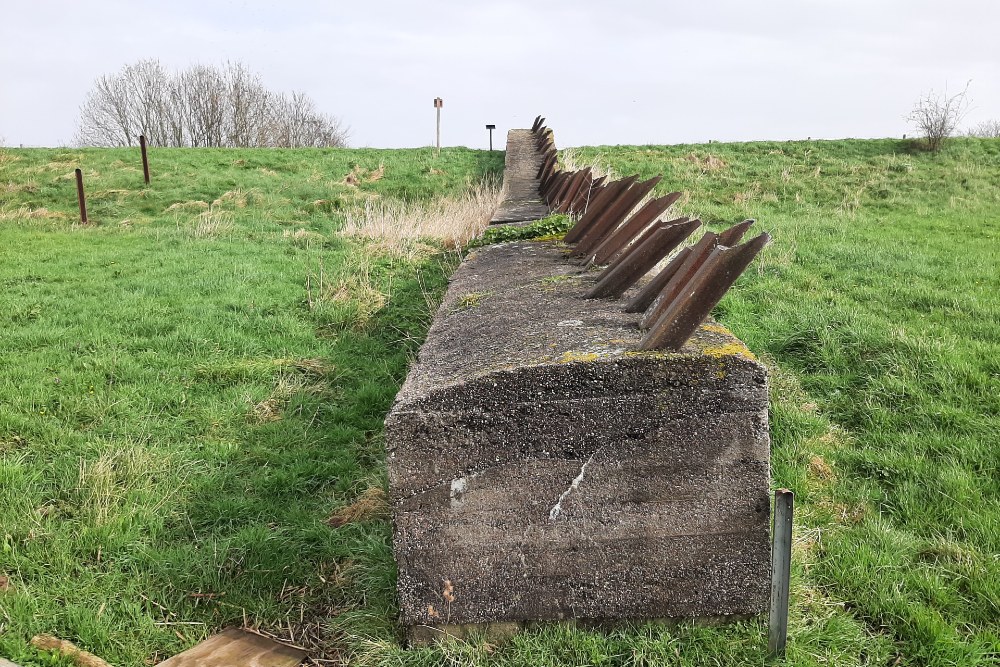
(203, 105)
(988, 129)
(936, 116)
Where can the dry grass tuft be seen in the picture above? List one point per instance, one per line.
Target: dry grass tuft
(212, 223)
(109, 486)
(371, 504)
(287, 385)
(708, 163)
(303, 237)
(359, 175)
(12, 188)
(571, 161)
(25, 213)
(451, 222)
(820, 469)
(195, 205)
(7, 157)
(238, 198)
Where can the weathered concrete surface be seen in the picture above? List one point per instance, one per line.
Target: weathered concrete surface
(544, 470)
(522, 201)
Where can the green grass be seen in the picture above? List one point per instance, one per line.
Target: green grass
(179, 413)
(185, 397)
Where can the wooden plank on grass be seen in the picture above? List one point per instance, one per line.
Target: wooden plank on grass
(234, 647)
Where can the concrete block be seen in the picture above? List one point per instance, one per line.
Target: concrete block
(542, 469)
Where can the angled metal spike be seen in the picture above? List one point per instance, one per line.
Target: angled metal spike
(547, 157)
(732, 236)
(597, 206)
(619, 238)
(552, 182)
(641, 301)
(560, 192)
(613, 216)
(699, 253)
(584, 187)
(613, 282)
(587, 195)
(567, 197)
(702, 294)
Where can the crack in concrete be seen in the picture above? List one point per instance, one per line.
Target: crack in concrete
(557, 508)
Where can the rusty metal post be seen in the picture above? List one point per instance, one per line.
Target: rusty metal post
(587, 195)
(613, 216)
(622, 256)
(549, 173)
(647, 295)
(781, 572)
(699, 254)
(81, 197)
(585, 186)
(618, 239)
(597, 205)
(554, 185)
(567, 196)
(613, 282)
(543, 169)
(669, 290)
(702, 294)
(550, 180)
(145, 160)
(564, 187)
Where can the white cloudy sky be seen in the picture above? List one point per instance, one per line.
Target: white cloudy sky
(601, 72)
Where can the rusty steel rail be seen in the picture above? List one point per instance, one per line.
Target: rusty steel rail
(598, 204)
(647, 295)
(616, 241)
(616, 212)
(614, 227)
(699, 254)
(657, 245)
(702, 293)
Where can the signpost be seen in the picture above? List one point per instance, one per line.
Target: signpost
(438, 103)
(491, 128)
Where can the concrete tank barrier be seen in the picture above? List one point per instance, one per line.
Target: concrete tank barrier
(545, 465)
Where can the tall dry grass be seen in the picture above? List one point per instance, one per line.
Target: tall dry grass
(449, 221)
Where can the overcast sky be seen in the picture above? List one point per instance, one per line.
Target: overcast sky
(602, 72)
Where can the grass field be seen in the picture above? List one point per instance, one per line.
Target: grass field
(192, 391)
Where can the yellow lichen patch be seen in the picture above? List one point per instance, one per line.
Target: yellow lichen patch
(733, 349)
(716, 328)
(573, 355)
(471, 300)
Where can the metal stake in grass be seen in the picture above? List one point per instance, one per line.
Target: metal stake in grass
(81, 197)
(145, 160)
(781, 564)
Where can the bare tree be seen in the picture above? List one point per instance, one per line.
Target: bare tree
(936, 116)
(988, 129)
(203, 105)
